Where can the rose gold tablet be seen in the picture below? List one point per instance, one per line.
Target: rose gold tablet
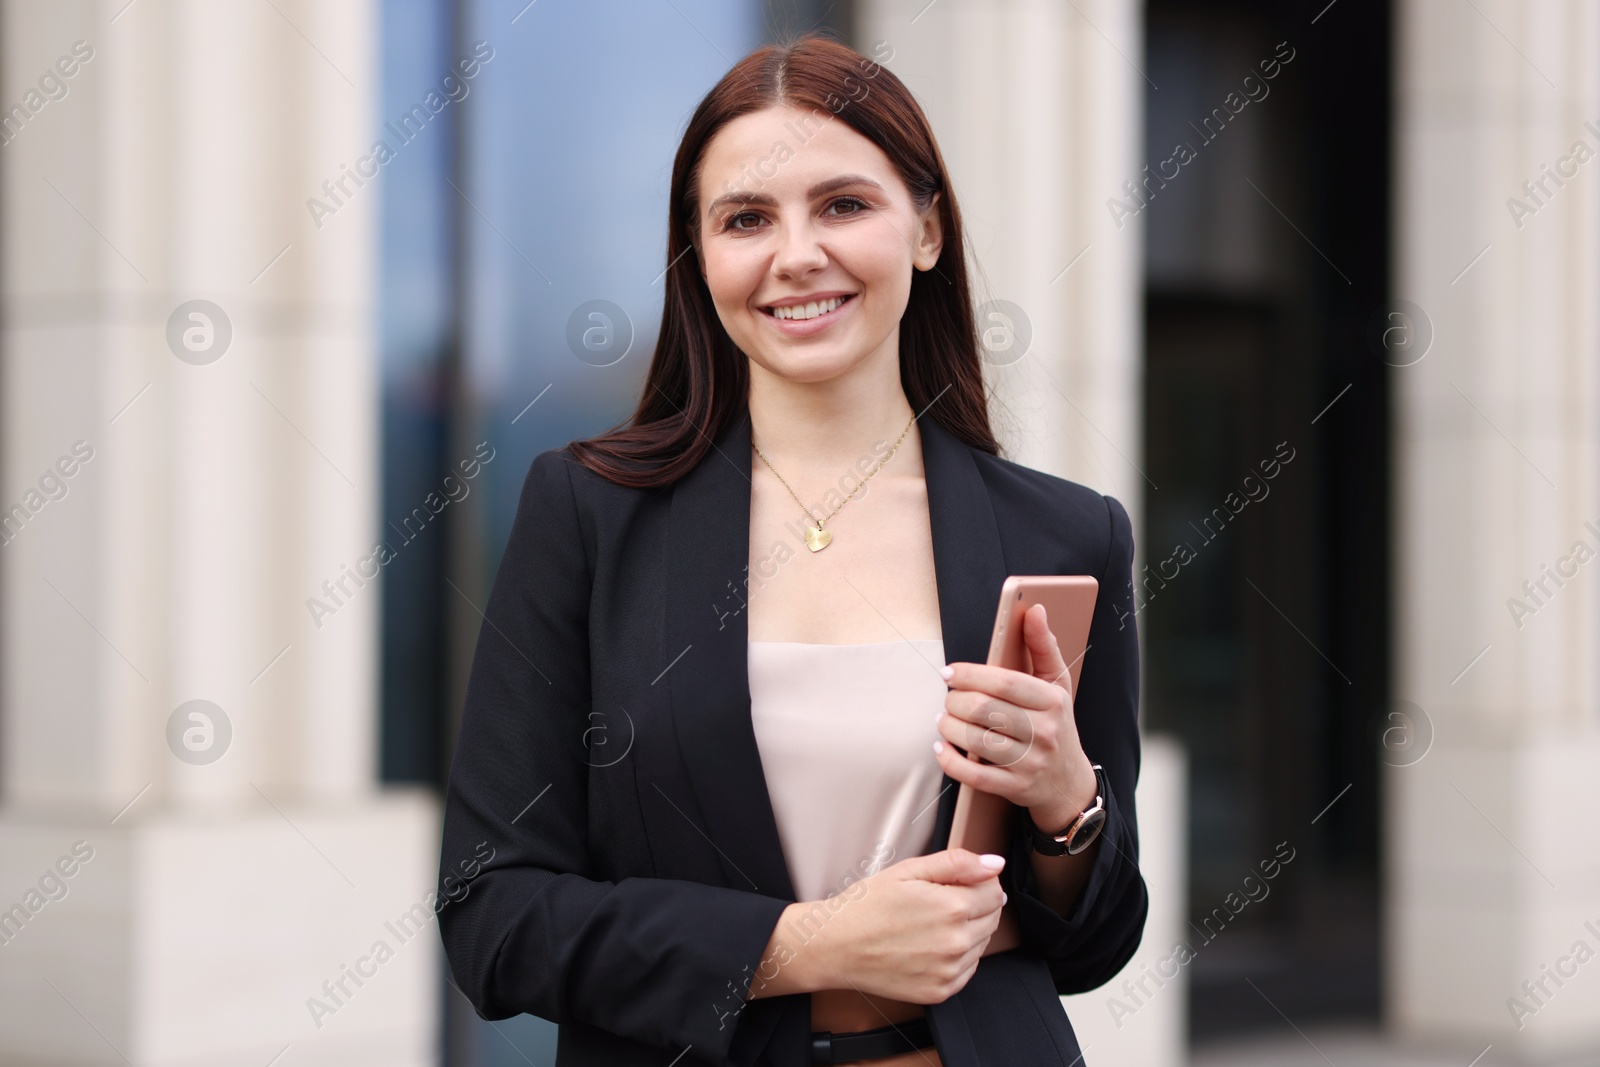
(982, 819)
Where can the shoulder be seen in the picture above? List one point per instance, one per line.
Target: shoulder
(557, 472)
(560, 491)
(548, 485)
(1077, 512)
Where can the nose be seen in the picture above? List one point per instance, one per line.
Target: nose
(799, 253)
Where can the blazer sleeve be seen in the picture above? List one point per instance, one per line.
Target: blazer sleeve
(1100, 933)
(662, 961)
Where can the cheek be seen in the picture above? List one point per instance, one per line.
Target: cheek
(879, 258)
(731, 277)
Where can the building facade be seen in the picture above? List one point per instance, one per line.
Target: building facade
(1356, 248)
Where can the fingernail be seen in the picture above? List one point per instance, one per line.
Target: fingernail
(992, 861)
(1003, 897)
(938, 746)
(947, 672)
(937, 717)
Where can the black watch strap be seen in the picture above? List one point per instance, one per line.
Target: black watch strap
(1080, 833)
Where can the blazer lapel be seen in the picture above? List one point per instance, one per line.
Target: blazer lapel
(708, 554)
(706, 629)
(969, 565)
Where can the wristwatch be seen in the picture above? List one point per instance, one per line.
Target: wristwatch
(1080, 833)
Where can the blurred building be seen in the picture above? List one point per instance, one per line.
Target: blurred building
(1311, 288)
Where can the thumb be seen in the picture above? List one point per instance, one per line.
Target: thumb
(1044, 651)
(952, 866)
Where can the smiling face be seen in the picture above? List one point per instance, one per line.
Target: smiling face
(808, 237)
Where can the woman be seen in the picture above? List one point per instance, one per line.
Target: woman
(698, 729)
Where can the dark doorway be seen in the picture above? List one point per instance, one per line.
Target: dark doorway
(1265, 602)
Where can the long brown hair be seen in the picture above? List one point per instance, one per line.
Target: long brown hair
(698, 379)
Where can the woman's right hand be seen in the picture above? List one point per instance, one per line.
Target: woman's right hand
(914, 931)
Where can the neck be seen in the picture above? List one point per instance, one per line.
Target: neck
(809, 426)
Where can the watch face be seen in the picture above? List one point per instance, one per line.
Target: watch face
(1088, 830)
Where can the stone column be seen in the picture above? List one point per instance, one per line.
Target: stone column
(1493, 857)
(192, 842)
(1038, 109)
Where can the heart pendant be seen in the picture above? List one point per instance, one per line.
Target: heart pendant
(817, 539)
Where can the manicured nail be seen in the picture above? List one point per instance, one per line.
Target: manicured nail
(938, 747)
(937, 717)
(992, 861)
(1003, 897)
(947, 672)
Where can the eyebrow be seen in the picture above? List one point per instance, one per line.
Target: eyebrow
(763, 200)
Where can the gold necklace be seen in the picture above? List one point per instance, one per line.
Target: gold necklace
(817, 538)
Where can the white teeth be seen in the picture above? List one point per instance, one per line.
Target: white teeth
(807, 311)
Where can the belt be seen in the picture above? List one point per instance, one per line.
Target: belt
(828, 1047)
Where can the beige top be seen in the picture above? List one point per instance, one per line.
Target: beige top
(846, 736)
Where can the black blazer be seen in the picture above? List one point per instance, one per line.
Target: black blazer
(607, 766)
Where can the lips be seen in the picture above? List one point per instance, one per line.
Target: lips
(811, 309)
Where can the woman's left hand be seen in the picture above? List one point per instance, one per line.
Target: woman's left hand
(1023, 728)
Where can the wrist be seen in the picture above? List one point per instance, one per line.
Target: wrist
(814, 957)
(1068, 802)
(799, 956)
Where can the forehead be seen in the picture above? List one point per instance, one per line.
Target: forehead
(782, 150)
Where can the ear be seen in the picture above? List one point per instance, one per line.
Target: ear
(930, 236)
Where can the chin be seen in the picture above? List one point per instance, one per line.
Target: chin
(807, 368)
